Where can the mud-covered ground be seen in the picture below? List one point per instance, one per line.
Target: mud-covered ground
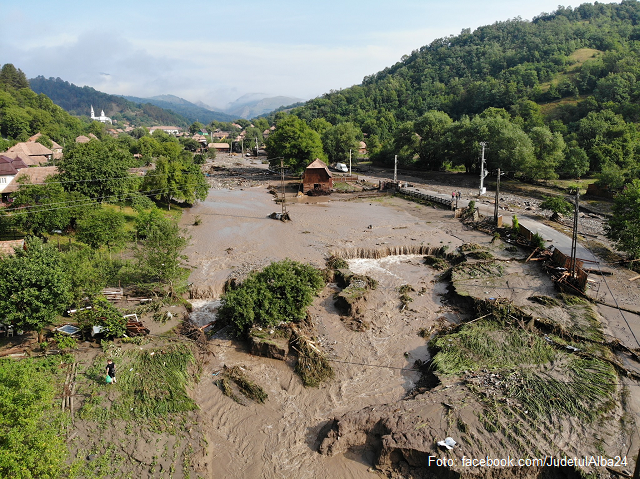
(374, 368)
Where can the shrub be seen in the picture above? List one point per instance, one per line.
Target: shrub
(537, 241)
(281, 292)
(515, 224)
(557, 205)
(65, 341)
(102, 313)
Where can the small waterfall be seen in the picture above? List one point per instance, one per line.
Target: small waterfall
(377, 253)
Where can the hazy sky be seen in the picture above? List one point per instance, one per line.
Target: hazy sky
(218, 51)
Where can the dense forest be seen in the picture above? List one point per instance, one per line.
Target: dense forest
(557, 95)
(78, 101)
(24, 113)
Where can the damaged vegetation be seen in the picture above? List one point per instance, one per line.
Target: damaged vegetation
(312, 366)
(247, 388)
(525, 377)
(150, 383)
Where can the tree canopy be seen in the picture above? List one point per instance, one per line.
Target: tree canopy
(281, 292)
(34, 286)
(295, 142)
(624, 225)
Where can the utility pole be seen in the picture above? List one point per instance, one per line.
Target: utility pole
(483, 190)
(495, 208)
(284, 206)
(395, 170)
(256, 146)
(574, 237)
(349, 161)
(242, 146)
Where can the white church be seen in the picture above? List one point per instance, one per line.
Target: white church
(102, 117)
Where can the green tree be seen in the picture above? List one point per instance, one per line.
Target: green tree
(102, 313)
(575, 163)
(623, 226)
(31, 445)
(176, 179)
(548, 149)
(196, 127)
(83, 267)
(14, 123)
(295, 142)
(432, 129)
(261, 124)
(189, 144)
(97, 170)
(102, 227)
(161, 255)
(320, 125)
(281, 292)
(34, 286)
(39, 209)
(12, 77)
(340, 141)
(557, 205)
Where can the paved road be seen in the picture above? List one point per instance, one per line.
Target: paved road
(556, 238)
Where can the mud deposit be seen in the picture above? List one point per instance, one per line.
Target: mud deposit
(361, 421)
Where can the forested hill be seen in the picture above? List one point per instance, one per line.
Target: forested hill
(568, 72)
(188, 110)
(78, 101)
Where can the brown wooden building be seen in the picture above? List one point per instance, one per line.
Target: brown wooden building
(317, 177)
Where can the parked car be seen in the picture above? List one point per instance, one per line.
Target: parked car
(342, 167)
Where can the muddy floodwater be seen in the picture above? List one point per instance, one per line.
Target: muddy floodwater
(279, 438)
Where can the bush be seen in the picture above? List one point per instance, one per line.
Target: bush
(65, 341)
(557, 205)
(537, 241)
(30, 441)
(515, 224)
(102, 313)
(281, 292)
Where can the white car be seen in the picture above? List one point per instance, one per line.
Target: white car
(342, 167)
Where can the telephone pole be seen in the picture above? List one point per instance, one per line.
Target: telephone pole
(395, 170)
(483, 190)
(495, 208)
(574, 237)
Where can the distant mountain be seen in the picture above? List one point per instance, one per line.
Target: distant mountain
(188, 110)
(253, 105)
(208, 107)
(78, 101)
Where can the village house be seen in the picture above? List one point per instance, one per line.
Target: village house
(55, 147)
(219, 134)
(317, 178)
(220, 147)
(9, 168)
(35, 175)
(30, 152)
(169, 130)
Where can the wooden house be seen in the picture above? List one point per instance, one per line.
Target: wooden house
(317, 178)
